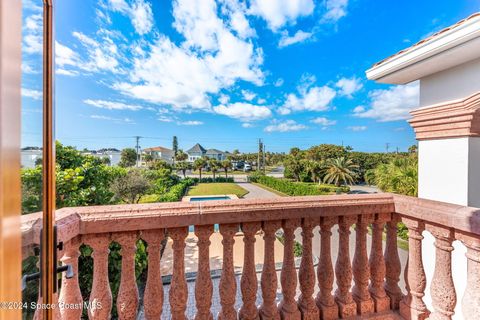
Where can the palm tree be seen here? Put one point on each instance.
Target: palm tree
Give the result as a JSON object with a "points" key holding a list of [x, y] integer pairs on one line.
{"points": [[226, 164], [315, 169], [199, 164], [182, 166], [214, 165], [181, 156], [399, 175], [340, 170]]}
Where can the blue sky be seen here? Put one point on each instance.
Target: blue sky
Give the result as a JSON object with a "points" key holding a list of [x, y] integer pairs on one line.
{"points": [[225, 73]]}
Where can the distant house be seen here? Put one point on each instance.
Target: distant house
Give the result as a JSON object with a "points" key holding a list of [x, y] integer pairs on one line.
{"points": [[216, 154], [160, 153], [112, 154], [29, 156], [196, 152]]}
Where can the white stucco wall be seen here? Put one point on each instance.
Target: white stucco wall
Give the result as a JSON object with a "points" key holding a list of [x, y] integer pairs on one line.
{"points": [[451, 84], [449, 171]]}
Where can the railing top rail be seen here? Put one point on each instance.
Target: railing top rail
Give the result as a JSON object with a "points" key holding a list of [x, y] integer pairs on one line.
{"points": [[460, 218]]}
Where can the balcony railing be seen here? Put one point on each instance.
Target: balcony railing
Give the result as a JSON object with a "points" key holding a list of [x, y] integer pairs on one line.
{"points": [[366, 285]]}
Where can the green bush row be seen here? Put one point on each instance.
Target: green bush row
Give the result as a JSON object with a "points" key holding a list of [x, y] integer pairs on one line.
{"points": [[211, 180], [296, 188]]}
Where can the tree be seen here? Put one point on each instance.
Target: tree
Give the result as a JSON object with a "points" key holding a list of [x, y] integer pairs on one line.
{"points": [[181, 156], [128, 158], [340, 170], [293, 166], [399, 176], [314, 169], [182, 166], [413, 149], [148, 158], [226, 164], [175, 147], [199, 164], [214, 164], [131, 187]]}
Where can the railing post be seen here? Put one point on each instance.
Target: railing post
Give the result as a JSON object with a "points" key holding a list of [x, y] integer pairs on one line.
{"points": [[203, 284], [306, 273], [288, 278], [377, 266], [442, 289], [248, 283], [269, 310], [101, 295], [325, 274], [228, 283], [127, 299], [471, 297], [70, 292], [412, 305], [393, 267], [153, 296], [343, 270], [178, 288], [361, 269]]}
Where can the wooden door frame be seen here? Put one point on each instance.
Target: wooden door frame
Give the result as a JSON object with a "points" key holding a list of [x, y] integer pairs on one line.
{"points": [[10, 190]]}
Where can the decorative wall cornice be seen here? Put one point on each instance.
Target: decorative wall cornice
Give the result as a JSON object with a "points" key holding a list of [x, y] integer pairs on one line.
{"points": [[453, 119]]}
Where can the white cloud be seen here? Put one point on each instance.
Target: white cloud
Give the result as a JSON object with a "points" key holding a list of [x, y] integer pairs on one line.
{"points": [[102, 56], [311, 99], [277, 13], [324, 121], [140, 13], [190, 123], [245, 112], [32, 5], [261, 101], [223, 99], [279, 82], [210, 59], [357, 128], [33, 94], [391, 104], [359, 109], [299, 36], [247, 125], [248, 95], [348, 86], [66, 72], [285, 126], [118, 120], [335, 10], [32, 30], [111, 105], [163, 118]]}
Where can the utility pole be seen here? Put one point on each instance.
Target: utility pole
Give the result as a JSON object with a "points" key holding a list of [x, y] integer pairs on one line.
{"points": [[137, 148], [260, 149], [264, 170], [387, 146]]}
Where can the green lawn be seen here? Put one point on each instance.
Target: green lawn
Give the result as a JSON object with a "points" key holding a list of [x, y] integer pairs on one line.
{"points": [[207, 189]]}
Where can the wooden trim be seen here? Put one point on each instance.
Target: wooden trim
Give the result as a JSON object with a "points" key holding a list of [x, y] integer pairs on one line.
{"points": [[454, 119], [10, 113], [49, 263]]}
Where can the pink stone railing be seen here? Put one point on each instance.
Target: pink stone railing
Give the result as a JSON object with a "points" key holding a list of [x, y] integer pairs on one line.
{"points": [[363, 285]]}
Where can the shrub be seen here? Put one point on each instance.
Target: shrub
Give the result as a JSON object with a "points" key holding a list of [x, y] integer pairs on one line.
{"points": [[211, 180], [296, 188]]}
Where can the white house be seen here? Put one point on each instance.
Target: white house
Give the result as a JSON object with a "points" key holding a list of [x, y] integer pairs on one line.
{"points": [[196, 152], [160, 153], [446, 124]]}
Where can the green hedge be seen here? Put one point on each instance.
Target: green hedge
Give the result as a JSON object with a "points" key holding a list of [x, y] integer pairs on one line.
{"points": [[218, 179], [296, 188]]}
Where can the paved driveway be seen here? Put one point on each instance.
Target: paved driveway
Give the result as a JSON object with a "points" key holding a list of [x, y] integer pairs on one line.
{"points": [[256, 192]]}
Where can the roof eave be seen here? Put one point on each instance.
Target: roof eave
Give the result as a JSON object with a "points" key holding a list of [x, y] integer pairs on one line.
{"points": [[442, 52]]}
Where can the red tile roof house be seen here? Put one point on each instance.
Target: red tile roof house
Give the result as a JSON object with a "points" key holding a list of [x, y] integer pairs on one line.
{"points": [[365, 285], [160, 153]]}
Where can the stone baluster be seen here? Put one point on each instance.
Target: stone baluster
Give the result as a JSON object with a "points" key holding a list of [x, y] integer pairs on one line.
{"points": [[178, 288], [471, 297], [153, 296], [268, 309], [360, 267], [343, 270], [248, 283], [288, 278], [306, 273], [70, 293], [412, 306], [325, 274], [228, 284], [393, 266], [127, 299], [377, 265], [203, 284], [100, 295], [442, 289]]}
